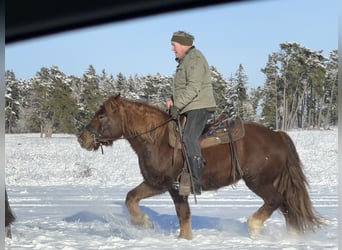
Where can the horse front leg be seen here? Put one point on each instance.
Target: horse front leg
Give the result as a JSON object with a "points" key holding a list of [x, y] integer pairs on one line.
{"points": [[183, 214], [133, 197]]}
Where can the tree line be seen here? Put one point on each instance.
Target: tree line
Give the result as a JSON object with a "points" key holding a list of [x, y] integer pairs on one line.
{"points": [[300, 91]]}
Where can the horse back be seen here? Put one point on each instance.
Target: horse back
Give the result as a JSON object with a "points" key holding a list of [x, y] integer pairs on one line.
{"points": [[261, 146], [261, 152]]}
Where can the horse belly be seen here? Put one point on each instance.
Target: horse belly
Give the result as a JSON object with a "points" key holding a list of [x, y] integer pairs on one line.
{"points": [[217, 167]]}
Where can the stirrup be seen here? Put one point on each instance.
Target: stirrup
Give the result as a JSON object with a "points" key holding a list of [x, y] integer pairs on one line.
{"points": [[175, 185], [185, 183]]}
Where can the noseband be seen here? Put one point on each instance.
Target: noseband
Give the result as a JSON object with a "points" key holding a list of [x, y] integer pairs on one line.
{"points": [[96, 134]]}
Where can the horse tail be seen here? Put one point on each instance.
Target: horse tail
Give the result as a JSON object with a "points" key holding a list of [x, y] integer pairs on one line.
{"points": [[293, 185]]}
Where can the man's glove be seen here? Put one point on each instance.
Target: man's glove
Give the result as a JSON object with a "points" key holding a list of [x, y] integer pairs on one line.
{"points": [[174, 112]]}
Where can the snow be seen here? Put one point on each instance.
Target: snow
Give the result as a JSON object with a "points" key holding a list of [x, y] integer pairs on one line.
{"points": [[67, 198]]}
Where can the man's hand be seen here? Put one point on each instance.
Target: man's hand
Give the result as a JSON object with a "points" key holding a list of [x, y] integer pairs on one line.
{"points": [[174, 112], [169, 103]]}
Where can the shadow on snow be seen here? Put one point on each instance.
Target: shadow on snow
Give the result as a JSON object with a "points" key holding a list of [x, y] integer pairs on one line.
{"points": [[120, 226]]}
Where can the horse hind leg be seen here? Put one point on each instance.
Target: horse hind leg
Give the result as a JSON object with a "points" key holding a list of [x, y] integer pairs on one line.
{"points": [[290, 229], [272, 201]]}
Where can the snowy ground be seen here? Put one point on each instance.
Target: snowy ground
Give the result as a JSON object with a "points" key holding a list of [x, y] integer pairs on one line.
{"points": [[67, 198]]}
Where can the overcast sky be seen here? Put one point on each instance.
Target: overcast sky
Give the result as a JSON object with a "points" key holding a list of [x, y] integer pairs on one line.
{"points": [[228, 35]]}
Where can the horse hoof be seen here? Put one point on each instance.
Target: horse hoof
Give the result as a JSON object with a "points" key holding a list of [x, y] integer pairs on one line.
{"points": [[254, 227], [293, 232], [148, 224], [143, 221], [186, 237]]}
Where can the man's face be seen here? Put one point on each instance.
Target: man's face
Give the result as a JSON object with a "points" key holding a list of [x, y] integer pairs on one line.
{"points": [[179, 49]]}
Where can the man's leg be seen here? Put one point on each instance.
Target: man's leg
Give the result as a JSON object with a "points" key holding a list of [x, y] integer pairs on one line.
{"points": [[195, 123]]}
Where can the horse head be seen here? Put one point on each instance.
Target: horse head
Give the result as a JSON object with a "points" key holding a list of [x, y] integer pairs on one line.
{"points": [[105, 127]]}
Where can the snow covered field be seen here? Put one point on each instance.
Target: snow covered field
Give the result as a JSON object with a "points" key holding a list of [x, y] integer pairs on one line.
{"points": [[67, 198]]}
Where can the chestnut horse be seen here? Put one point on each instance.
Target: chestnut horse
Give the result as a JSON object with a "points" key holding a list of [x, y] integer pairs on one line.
{"points": [[270, 165]]}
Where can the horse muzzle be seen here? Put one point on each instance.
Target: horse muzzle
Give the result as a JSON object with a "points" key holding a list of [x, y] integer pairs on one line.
{"points": [[87, 141]]}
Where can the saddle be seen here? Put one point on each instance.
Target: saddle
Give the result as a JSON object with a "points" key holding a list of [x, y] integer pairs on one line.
{"points": [[222, 130]]}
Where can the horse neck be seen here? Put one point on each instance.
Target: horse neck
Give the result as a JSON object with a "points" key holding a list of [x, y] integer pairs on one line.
{"points": [[140, 123]]}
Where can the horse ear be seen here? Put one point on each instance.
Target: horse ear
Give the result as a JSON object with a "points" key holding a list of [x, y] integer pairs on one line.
{"points": [[111, 104]]}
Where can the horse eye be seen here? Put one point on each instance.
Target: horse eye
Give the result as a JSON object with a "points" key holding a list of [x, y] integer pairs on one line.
{"points": [[101, 116]]}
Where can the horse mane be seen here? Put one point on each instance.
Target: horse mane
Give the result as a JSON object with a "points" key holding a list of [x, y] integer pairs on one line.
{"points": [[139, 117]]}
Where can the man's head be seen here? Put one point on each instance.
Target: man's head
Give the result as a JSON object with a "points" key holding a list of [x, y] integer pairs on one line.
{"points": [[181, 42]]}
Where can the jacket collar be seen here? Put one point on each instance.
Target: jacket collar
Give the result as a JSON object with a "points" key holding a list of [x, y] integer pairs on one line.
{"points": [[179, 60]]}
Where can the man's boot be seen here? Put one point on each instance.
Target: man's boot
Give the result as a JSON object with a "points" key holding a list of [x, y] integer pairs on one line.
{"points": [[196, 170]]}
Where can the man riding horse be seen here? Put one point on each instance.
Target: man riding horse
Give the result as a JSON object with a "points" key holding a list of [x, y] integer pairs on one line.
{"points": [[193, 97]]}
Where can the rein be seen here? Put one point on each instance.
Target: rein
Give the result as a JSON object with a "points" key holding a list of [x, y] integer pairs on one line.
{"points": [[103, 141], [148, 131]]}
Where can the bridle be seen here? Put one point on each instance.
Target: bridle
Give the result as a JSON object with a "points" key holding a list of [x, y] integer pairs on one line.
{"points": [[92, 131], [104, 141]]}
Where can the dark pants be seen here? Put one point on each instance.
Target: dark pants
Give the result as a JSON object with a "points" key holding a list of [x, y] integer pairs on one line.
{"points": [[195, 123]]}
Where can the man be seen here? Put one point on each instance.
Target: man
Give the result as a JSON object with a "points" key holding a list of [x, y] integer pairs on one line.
{"points": [[193, 97]]}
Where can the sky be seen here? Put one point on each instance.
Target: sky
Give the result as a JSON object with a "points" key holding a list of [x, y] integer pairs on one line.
{"points": [[228, 35]]}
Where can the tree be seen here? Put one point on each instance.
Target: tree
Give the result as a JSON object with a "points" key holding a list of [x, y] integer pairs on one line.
{"points": [[294, 87], [271, 106], [37, 111], [243, 107], [255, 98], [62, 104], [300, 90], [12, 97], [91, 97], [121, 84], [330, 85], [231, 97], [107, 84], [219, 88]]}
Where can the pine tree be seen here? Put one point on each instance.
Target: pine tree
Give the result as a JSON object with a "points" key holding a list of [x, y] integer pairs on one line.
{"points": [[297, 73], [91, 98], [121, 84], [243, 108], [219, 88], [255, 98], [232, 97], [271, 103], [62, 105], [12, 98], [39, 116], [300, 90], [330, 84]]}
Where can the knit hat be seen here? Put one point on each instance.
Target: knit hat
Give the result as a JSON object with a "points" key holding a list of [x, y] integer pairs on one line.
{"points": [[183, 38]]}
